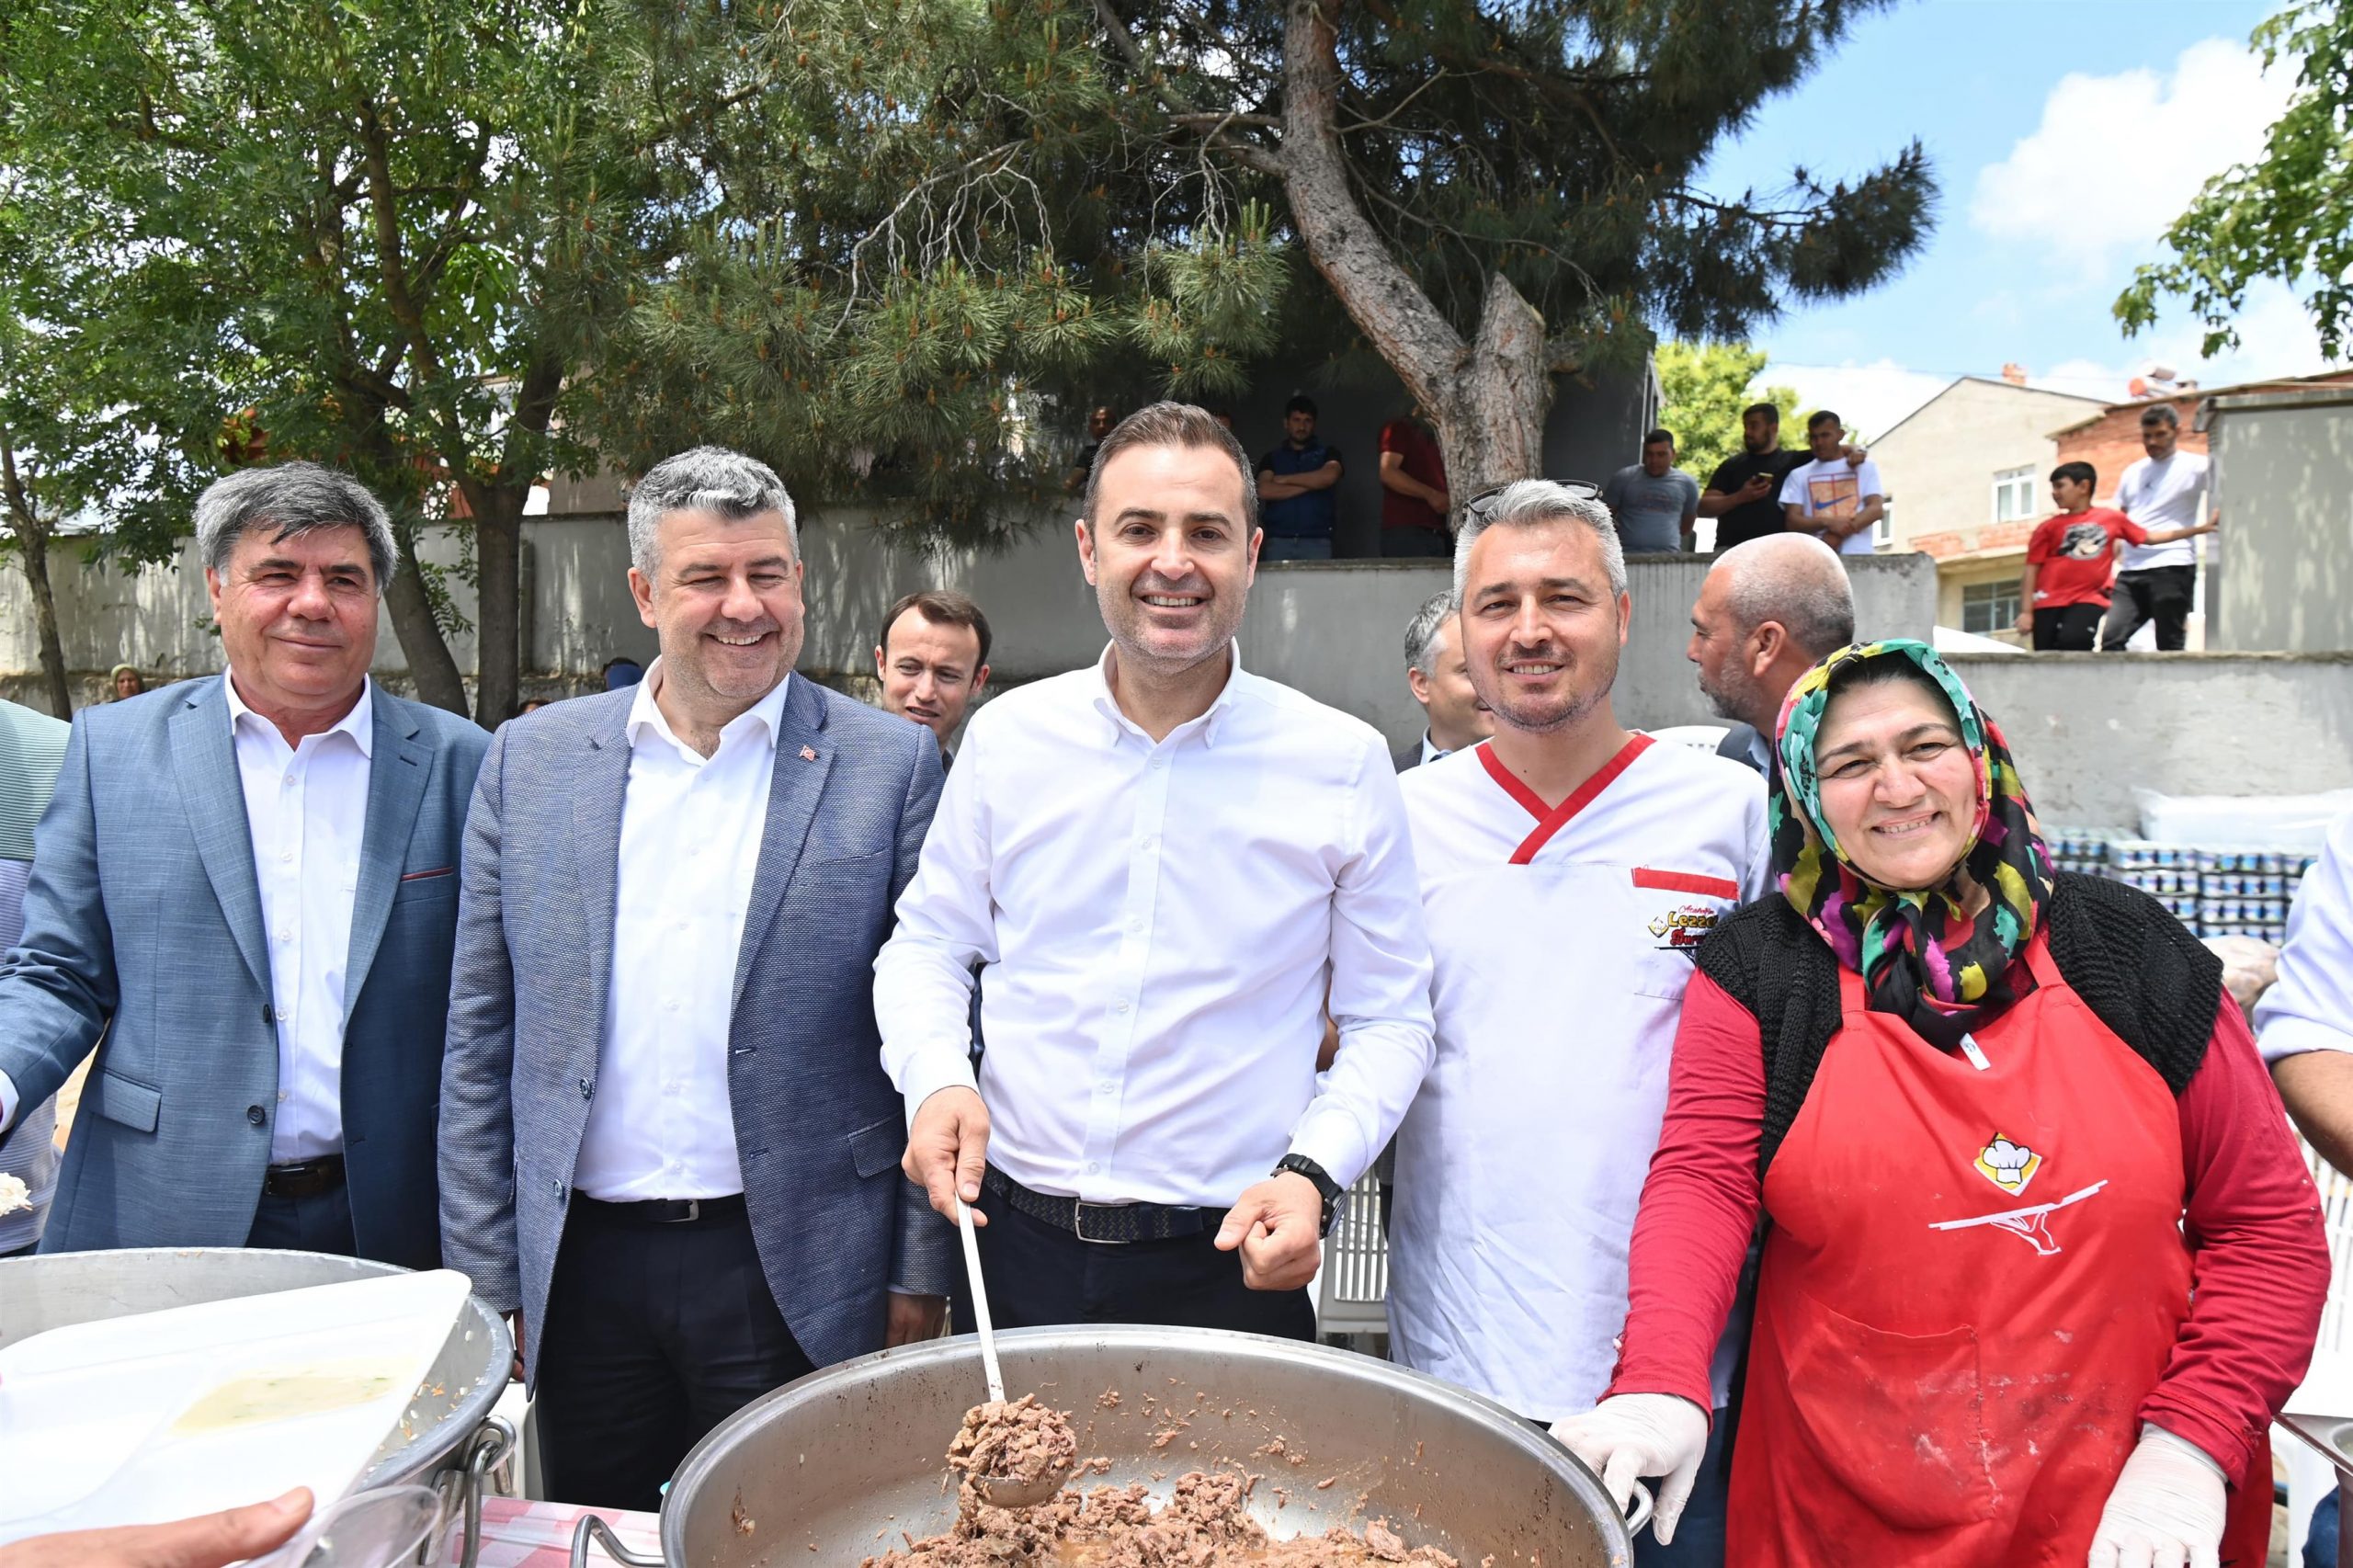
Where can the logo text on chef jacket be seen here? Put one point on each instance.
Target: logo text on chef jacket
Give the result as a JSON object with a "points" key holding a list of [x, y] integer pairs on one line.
{"points": [[1685, 927], [2011, 1165]]}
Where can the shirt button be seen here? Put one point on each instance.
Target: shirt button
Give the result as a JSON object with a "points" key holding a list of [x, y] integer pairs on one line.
{"points": [[285, 1094], [285, 936], [1121, 1005], [1160, 762], [1135, 923], [286, 855], [671, 1005], [1092, 1167]]}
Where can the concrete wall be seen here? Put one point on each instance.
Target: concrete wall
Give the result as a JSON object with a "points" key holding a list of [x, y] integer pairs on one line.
{"points": [[2282, 572], [1332, 630], [2088, 727]]}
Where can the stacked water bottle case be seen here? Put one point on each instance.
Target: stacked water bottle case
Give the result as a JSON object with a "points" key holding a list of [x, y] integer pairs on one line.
{"points": [[2215, 891]]}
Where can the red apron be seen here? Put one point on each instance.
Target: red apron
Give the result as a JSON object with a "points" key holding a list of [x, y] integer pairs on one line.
{"points": [[1975, 1274]]}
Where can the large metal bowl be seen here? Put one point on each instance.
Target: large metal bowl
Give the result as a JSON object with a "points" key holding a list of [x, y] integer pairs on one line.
{"points": [[830, 1470], [52, 1290]]}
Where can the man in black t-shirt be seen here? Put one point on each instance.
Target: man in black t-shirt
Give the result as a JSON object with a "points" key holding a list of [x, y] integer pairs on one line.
{"points": [[1744, 494]]}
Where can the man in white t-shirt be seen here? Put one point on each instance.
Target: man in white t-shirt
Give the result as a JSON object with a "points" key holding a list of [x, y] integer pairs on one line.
{"points": [[2164, 492], [1569, 868], [1837, 501]]}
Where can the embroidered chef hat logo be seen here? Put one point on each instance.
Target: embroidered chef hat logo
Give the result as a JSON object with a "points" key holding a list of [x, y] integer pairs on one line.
{"points": [[2007, 1165]]}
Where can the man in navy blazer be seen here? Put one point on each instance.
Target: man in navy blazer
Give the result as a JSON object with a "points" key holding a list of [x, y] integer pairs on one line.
{"points": [[667, 1141], [245, 885]]}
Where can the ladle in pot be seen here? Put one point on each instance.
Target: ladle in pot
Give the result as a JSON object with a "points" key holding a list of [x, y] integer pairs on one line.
{"points": [[999, 1490]]}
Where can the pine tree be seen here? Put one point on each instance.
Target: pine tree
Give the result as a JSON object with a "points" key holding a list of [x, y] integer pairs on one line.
{"points": [[923, 227]]}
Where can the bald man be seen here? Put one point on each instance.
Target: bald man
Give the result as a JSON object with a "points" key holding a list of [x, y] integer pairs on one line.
{"points": [[1771, 609]]}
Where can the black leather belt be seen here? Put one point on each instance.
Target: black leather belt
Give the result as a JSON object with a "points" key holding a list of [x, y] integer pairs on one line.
{"points": [[662, 1211], [303, 1178], [1113, 1224]]}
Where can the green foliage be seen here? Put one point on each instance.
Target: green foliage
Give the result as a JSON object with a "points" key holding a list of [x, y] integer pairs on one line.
{"points": [[2288, 215], [927, 234], [1705, 387]]}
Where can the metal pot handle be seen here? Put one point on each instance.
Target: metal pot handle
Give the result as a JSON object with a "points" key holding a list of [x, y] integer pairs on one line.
{"points": [[470, 1479], [1639, 1509], [590, 1525]]}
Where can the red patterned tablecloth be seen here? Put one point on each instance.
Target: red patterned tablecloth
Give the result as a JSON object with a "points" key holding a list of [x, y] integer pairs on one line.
{"points": [[517, 1533]]}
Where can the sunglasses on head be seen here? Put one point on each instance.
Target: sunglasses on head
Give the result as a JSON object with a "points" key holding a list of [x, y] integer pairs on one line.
{"points": [[1479, 507]]}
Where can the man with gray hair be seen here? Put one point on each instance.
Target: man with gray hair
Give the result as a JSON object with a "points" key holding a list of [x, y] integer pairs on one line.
{"points": [[1768, 611], [668, 1148], [1453, 715], [246, 888], [1569, 868]]}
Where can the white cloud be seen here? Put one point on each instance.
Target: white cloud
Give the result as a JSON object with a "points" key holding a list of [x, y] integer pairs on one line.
{"points": [[2276, 339], [1868, 398], [2117, 158]]}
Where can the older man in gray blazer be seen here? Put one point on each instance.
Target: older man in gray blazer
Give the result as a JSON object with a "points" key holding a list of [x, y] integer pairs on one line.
{"points": [[247, 886], [666, 1138]]}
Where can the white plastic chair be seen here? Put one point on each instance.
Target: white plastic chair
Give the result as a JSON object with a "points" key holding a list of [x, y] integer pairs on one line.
{"points": [[1353, 1288], [2310, 1476]]}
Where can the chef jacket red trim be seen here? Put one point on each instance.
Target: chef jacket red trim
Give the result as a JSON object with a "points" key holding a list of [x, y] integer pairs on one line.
{"points": [[2261, 1260], [1686, 882], [1551, 820]]}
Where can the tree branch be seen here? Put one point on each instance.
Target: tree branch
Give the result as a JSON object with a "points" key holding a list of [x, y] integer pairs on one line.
{"points": [[1411, 334]]}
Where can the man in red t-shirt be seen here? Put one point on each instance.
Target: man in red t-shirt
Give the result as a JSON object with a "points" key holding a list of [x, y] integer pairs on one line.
{"points": [[1412, 482], [2071, 562]]}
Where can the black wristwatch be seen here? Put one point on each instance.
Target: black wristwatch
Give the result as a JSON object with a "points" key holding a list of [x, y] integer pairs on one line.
{"points": [[1325, 1185]]}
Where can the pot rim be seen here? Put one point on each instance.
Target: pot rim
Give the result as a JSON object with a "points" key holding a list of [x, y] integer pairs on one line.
{"points": [[722, 1441]]}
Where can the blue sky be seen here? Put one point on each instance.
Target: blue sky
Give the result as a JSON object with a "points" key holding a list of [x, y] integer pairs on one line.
{"points": [[2066, 134]]}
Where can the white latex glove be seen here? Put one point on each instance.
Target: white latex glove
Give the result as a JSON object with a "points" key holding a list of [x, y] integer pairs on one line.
{"points": [[2167, 1509], [1632, 1434]]}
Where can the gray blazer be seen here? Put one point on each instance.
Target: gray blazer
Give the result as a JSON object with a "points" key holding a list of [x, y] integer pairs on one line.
{"points": [[818, 1130], [143, 924]]}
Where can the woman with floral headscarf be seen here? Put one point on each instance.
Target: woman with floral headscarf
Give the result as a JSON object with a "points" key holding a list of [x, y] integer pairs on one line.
{"points": [[1998, 1124]]}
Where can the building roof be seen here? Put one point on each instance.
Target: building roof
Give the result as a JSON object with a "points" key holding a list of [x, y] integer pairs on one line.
{"points": [[2325, 378], [1981, 381]]}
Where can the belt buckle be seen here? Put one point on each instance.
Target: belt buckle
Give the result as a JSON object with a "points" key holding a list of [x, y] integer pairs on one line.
{"points": [[1079, 1208], [694, 1212]]}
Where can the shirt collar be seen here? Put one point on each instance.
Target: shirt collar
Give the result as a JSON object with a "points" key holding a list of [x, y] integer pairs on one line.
{"points": [[1431, 750], [1211, 723], [360, 723], [766, 716]]}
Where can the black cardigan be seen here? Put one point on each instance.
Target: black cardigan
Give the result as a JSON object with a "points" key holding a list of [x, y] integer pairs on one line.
{"points": [[2137, 967]]}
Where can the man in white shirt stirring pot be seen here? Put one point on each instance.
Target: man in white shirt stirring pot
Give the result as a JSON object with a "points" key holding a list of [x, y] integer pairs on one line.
{"points": [[1164, 863]]}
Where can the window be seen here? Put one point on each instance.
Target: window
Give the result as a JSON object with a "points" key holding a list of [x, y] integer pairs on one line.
{"points": [[1988, 608], [2013, 495], [1883, 531]]}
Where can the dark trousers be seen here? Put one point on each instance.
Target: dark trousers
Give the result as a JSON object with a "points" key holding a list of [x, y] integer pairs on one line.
{"points": [[1428, 543], [655, 1335], [1040, 1278], [2161, 593], [320, 1222], [2067, 628]]}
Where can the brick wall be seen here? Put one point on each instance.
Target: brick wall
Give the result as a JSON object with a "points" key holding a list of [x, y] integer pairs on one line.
{"points": [[2113, 440]]}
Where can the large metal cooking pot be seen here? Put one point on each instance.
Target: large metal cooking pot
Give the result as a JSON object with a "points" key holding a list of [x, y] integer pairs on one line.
{"points": [[448, 1426], [830, 1470]]}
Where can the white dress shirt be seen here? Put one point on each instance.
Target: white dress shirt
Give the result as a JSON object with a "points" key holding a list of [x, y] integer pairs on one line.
{"points": [[1157, 924], [662, 1124], [2311, 1006], [307, 809], [1563, 939]]}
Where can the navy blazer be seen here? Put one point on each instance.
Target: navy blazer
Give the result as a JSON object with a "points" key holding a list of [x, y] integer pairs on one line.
{"points": [[819, 1129], [142, 925]]}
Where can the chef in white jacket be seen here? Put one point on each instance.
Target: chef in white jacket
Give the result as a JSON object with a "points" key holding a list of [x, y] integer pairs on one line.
{"points": [[1568, 867]]}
